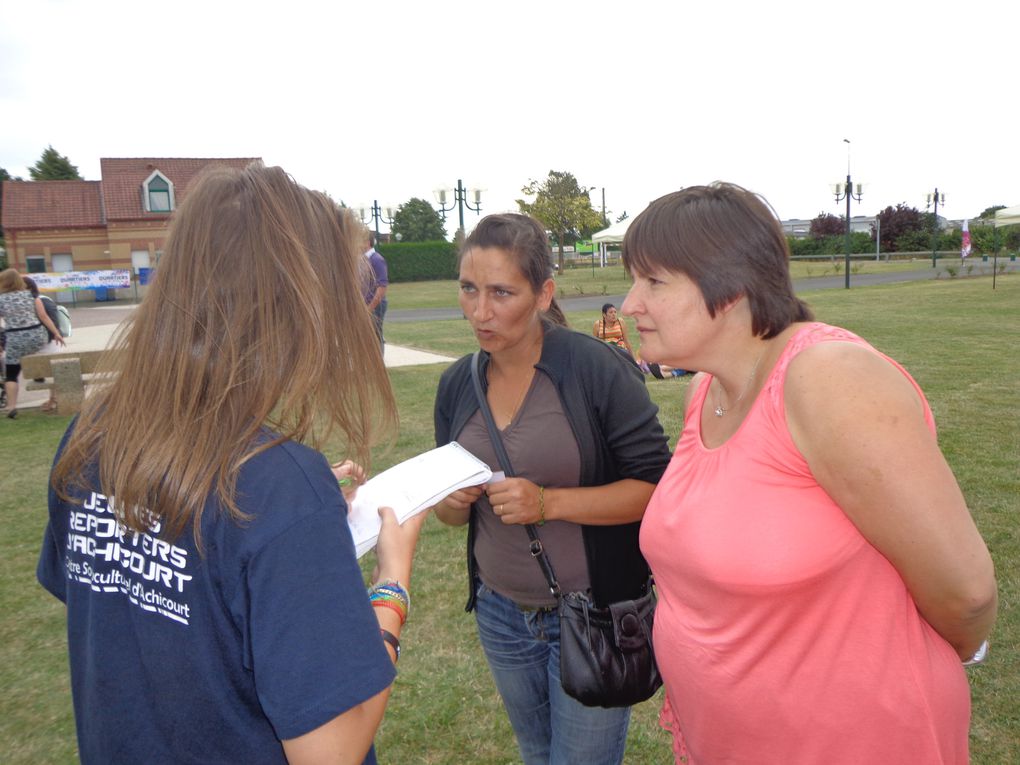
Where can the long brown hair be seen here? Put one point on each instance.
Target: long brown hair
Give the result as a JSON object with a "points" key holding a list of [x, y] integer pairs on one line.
{"points": [[730, 242], [254, 331], [524, 239]]}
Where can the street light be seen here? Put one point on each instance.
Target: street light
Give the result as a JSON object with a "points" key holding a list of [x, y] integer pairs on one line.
{"points": [[847, 194], [376, 215], [938, 199], [460, 201]]}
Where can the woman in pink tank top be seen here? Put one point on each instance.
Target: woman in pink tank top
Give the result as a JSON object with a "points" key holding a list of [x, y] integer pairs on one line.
{"points": [[821, 582]]}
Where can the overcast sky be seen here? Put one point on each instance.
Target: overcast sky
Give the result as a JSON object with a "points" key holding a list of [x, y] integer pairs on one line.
{"points": [[391, 100]]}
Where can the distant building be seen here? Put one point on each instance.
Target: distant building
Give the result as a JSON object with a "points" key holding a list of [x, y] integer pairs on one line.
{"points": [[799, 228], [118, 222]]}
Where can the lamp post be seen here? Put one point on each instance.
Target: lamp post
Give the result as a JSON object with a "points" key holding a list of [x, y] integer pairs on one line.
{"points": [[460, 201], [376, 215], [848, 194], [938, 199]]}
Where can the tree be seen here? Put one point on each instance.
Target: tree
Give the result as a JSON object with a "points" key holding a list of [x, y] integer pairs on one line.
{"points": [[989, 212], [827, 224], [562, 206], [417, 221], [53, 166], [901, 222]]}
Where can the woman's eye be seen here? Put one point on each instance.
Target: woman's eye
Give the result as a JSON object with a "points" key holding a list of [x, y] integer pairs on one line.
{"points": [[467, 288], [502, 293]]}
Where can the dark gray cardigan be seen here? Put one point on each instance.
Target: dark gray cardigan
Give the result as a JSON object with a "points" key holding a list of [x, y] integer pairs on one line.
{"points": [[617, 432]]}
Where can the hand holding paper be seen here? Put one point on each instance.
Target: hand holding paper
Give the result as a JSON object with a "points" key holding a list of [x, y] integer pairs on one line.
{"points": [[412, 486]]}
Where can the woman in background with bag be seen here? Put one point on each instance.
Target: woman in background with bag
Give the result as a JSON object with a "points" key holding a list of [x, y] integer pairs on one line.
{"points": [[819, 574], [28, 329], [587, 449]]}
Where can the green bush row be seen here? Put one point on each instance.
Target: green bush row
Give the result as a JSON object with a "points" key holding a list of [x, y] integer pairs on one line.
{"points": [[420, 261]]}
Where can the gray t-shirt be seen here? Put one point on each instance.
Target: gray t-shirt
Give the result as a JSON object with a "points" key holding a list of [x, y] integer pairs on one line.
{"points": [[542, 449]]}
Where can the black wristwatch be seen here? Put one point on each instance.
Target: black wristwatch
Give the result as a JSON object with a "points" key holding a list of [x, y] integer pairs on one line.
{"points": [[390, 638]]}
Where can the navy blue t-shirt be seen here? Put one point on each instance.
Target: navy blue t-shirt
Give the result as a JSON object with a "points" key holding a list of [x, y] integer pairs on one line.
{"points": [[178, 657]]}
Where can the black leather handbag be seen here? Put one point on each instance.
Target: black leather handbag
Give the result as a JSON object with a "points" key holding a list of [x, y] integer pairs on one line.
{"points": [[606, 656]]}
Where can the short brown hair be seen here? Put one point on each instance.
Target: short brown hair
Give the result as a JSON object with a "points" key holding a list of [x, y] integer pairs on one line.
{"points": [[729, 242]]}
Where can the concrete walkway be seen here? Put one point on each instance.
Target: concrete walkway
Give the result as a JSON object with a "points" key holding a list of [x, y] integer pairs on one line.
{"points": [[94, 326]]}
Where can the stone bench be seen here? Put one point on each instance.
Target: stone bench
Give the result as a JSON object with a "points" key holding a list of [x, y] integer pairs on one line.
{"points": [[64, 373]]}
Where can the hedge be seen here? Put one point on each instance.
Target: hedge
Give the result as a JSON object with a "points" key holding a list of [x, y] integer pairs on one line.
{"points": [[419, 261]]}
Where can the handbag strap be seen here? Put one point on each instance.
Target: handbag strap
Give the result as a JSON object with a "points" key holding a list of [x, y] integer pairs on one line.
{"points": [[536, 548]]}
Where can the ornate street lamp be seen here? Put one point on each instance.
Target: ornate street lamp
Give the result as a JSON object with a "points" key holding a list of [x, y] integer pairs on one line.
{"points": [[847, 193], [460, 201], [938, 198], [375, 214]]}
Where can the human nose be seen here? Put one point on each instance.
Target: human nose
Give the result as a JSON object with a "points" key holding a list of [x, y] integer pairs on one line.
{"points": [[631, 304], [482, 308]]}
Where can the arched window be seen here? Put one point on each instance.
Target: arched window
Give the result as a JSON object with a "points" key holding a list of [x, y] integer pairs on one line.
{"points": [[158, 193]]}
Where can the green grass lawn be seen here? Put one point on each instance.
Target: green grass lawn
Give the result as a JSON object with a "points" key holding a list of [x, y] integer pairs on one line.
{"points": [[958, 338]]}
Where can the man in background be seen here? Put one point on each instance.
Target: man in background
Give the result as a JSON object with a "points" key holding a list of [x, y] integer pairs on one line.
{"points": [[375, 291]]}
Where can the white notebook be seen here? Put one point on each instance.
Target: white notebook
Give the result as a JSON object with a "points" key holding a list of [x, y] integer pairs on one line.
{"points": [[410, 487]]}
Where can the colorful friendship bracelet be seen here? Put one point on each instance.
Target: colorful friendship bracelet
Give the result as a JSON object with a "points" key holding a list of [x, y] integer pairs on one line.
{"points": [[541, 506], [393, 606]]}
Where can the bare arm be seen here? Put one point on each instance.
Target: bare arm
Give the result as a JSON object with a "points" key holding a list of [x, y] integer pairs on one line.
{"points": [[518, 500], [377, 297], [40, 311], [347, 737], [623, 336], [860, 425]]}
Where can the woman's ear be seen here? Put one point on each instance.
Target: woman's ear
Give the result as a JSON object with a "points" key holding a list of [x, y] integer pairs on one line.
{"points": [[546, 294]]}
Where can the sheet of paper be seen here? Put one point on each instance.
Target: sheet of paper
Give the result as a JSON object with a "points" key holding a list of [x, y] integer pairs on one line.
{"points": [[410, 487]]}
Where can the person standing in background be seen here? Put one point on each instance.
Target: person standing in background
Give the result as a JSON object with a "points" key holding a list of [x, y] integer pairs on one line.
{"points": [[375, 292]]}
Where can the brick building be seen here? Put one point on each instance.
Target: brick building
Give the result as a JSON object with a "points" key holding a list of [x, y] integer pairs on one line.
{"points": [[118, 222]]}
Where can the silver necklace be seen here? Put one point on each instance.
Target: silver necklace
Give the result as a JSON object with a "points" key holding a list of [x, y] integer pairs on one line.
{"points": [[720, 410]]}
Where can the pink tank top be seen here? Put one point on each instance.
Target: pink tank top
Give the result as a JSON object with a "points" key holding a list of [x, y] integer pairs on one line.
{"points": [[783, 636]]}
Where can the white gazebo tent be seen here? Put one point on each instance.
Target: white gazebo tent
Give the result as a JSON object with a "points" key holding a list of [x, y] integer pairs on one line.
{"points": [[1007, 216], [612, 235]]}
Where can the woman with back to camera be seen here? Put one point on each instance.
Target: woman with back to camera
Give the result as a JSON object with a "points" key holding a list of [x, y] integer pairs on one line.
{"points": [[582, 435], [28, 329], [216, 609], [819, 574]]}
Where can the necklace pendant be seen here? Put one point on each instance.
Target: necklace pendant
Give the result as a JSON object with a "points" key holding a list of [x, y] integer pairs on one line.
{"points": [[719, 411]]}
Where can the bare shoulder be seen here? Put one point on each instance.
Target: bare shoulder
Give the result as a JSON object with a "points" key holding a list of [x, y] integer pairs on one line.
{"points": [[846, 383]]}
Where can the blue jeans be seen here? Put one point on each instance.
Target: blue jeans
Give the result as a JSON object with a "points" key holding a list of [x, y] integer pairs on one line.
{"points": [[523, 650]]}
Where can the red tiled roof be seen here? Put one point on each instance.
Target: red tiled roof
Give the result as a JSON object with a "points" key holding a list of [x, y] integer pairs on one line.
{"points": [[123, 178], [52, 204]]}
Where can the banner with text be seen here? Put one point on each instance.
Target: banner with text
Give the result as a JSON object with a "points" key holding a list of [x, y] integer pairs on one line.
{"points": [[83, 280]]}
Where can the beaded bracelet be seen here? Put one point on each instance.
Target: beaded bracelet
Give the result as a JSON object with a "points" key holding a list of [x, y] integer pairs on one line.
{"points": [[541, 506], [394, 589], [391, 594]]}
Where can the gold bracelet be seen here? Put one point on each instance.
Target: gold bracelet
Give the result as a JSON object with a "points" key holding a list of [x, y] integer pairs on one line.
{"points": [[541, 506]]}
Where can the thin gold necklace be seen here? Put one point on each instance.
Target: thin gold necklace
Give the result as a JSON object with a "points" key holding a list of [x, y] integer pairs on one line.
{"points": [[720, 410]]}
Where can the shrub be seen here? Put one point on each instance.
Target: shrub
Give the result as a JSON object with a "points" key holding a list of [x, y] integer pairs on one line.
{"points": [[420, 261]]}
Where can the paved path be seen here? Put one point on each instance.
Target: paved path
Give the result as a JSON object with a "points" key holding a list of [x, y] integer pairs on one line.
{"points": [[94, 326]]}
